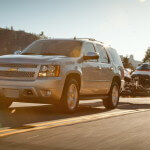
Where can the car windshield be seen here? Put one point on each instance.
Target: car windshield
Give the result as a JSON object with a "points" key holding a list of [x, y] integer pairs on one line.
{"points": [[54, 47], [144, 67]]}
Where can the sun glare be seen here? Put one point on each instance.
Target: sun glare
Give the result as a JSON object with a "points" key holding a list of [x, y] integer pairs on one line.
{"points": [[142, 1]]}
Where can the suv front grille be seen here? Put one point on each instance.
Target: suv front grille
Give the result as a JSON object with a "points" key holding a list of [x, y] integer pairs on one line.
{"points": [[18, 71], [19, 65], [17, 74]]}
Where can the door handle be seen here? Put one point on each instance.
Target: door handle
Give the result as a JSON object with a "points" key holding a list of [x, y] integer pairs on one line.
{"points": [[99, 68], [111, 68]]}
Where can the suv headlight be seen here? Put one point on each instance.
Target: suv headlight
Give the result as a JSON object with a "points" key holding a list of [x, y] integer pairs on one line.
{"points": [[49, 71]]}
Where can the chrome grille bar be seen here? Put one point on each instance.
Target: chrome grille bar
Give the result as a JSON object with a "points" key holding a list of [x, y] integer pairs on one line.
{"points": [[18, 71], [17, 74], [19, 65]]}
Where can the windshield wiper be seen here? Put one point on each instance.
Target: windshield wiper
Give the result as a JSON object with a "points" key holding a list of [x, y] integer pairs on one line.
{"points": [[41, 54], [50, 54], [28, 54]]}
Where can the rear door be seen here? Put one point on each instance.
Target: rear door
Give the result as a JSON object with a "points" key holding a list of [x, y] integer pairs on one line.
{"points": [[105, 72]]}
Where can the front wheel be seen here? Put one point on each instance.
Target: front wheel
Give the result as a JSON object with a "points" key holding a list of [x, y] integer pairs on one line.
{"points": [[112, 101], [70, 97]]}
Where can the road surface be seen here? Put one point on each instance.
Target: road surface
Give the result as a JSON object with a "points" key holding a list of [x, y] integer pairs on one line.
{"points": [[32, 127]]}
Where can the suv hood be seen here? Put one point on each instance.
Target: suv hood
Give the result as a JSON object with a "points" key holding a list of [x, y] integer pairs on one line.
{"points": [[30, 59]]}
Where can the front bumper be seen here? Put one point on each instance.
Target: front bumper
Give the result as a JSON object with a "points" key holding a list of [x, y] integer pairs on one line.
{"points": [[42, 90]]}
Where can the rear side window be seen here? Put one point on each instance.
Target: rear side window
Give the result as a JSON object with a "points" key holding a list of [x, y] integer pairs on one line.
{"points": [[144, 67], [103, 58], [115, 57]]}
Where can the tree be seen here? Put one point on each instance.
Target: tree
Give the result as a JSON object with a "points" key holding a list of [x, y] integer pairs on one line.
{"points": [[126, 63], [42, 36], [11, 28], [147, 56]]}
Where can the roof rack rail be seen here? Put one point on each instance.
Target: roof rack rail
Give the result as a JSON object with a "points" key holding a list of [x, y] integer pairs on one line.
{"points": [[101, 42], [91, 39]]}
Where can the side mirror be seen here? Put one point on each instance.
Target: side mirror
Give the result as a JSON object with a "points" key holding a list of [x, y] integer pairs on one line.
{"points": [[18, 52], [91, 55]]}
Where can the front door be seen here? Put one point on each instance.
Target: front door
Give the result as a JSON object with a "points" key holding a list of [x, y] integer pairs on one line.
{"points": [[90, 72]]}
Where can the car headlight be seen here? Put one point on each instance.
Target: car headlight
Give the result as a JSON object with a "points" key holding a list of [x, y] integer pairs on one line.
{"points": [[49, 71]]}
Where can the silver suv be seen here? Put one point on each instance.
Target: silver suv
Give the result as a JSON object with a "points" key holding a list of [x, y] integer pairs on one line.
{"points": [[61, 72]]}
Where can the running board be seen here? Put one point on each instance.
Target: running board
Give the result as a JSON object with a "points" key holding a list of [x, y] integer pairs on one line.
{"points": [[91, 97]]}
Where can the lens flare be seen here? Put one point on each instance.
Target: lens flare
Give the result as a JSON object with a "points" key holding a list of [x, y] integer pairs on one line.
{"points": [[142, 1]]}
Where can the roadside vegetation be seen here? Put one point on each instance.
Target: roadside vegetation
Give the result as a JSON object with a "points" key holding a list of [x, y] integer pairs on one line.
{"points": [[127, 63], [11, 40], [147, 56]]}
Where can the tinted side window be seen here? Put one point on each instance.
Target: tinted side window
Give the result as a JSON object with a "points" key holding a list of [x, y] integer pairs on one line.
{"points": [[115, 57], [88, 47], [103, 58]]}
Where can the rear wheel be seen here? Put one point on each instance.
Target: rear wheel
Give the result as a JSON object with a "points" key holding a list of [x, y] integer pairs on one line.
{"points": [[112, 101], [5, 104], [70, 97]]}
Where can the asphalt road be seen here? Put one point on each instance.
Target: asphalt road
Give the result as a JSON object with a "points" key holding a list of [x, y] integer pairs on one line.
{"points": [[30, 126]]}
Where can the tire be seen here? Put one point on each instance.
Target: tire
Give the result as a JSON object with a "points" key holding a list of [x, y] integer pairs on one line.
{"points": [[112, 101], [70, 97], [5, 104]]}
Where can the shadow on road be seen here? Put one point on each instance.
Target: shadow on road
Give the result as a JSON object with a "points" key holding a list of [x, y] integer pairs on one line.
{"points": [[132, 106], [21, 116]]}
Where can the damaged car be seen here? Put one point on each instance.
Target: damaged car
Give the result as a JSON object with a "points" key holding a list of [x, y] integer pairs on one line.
{"points": [[141, 79], [126, 90]]}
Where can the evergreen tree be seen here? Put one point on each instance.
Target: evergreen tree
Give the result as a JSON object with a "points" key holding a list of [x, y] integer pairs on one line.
{"points": [[147, 56], [42, 36], [126, 63]]}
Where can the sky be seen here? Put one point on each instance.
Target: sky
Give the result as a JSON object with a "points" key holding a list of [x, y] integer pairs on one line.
{"points": [[124, 24]]}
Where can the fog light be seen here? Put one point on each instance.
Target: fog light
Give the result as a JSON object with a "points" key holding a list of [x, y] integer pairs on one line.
{"points": [[28, 92], [46, 93]]}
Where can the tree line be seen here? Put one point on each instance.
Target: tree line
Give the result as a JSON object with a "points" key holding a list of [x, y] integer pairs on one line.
{"points": [[11, 40]]}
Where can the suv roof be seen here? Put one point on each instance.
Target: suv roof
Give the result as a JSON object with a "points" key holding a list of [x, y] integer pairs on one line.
{"points": [[90, 40], [77, 39]]}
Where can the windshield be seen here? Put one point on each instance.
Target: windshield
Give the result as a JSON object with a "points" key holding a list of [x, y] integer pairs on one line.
{"points": [[144, 67], [54, 47]]}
